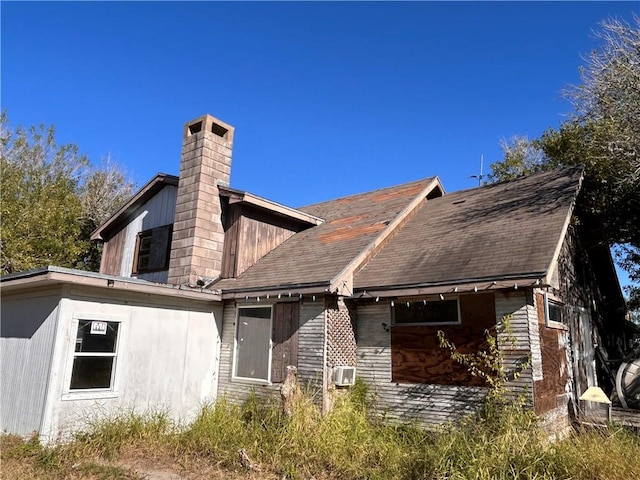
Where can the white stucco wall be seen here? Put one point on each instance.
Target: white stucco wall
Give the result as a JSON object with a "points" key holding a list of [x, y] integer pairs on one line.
{"points": [[167, 359]]}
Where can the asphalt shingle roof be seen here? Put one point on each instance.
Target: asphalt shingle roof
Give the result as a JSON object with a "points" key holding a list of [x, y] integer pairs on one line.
{"points": [[318, 254], [499, 230], [495, 231]]}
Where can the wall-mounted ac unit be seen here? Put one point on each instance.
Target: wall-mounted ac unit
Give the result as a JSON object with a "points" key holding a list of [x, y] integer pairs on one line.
{"points": [[344, 376]]}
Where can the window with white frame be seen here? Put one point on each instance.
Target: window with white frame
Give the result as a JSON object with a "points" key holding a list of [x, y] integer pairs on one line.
{"points": [[94, 357], [253, 344], [553, 311], [426, 312]]}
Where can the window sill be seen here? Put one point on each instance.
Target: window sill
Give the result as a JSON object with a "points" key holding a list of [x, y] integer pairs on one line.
{"points": [[89, 395], [557, 326], [251, 381]]}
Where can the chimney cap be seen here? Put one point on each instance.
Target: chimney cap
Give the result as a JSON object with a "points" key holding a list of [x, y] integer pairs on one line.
{"points": [[209, 124]]}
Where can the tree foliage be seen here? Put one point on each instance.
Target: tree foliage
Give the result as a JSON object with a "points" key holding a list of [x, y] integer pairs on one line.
{"points": [[52, 199], [603, 135]]}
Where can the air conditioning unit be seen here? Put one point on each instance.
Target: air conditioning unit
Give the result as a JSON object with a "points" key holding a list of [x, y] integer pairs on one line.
{"points": [[344, 376]]}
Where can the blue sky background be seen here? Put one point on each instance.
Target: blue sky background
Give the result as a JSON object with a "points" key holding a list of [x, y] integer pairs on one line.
{"points": [[327, 98]]}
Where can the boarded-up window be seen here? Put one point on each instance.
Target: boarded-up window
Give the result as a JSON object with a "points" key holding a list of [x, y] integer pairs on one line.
{"points": [[416, 356], [266, 342], [152, 250]]}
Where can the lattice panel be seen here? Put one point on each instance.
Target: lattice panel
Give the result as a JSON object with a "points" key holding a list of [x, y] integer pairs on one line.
{"points": [[341, 337]]}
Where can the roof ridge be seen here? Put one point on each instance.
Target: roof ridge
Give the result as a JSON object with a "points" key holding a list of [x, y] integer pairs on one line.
{"points": [[369, 192]]}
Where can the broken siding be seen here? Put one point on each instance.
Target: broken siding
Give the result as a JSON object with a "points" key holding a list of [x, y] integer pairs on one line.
{"points": [[26, 349], [426, 404], [518, 307]]}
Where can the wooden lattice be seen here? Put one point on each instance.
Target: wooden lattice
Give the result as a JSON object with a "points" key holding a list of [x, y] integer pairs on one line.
{"points": [[341, 334]]}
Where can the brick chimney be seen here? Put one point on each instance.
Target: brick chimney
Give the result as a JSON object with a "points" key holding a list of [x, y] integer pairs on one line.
{"points": [[198, 236]]}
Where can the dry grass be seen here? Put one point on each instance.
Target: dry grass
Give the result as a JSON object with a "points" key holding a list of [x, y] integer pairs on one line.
{"points": [[499, 443]]}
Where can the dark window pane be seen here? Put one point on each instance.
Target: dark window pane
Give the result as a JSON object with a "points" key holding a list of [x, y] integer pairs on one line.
{"points": [[96, 342], [555, 312], [91, 372], [437, 311]]}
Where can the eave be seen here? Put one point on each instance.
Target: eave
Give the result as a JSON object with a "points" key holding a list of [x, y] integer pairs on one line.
{"points": [[53, 276], [143, 195], [238, 196], [461, 286]]}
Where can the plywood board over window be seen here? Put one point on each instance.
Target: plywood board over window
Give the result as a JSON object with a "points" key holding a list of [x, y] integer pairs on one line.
{"points": [[415, 353]]}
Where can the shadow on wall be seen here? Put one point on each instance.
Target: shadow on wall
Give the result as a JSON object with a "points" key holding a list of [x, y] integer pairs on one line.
{"points": [[21, 318]]}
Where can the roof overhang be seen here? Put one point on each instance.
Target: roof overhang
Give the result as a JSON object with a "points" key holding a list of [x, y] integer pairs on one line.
{"points": [[58, 276], [276, 291], [238, 196], [143, 195], [463, 286]]}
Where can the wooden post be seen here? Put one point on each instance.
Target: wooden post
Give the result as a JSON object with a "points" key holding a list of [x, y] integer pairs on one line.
{"points": [[289, 392]]}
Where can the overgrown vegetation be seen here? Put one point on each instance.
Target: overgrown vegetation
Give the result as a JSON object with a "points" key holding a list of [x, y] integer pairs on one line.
{"points": [[52, 199], [344, 444], [601, 134]]}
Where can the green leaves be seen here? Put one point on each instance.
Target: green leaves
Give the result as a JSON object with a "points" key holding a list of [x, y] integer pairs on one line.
{"points": [[46, 218], [602, 135]]}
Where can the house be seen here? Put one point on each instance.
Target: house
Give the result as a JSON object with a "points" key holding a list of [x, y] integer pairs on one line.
{"points": [[207, 291]]}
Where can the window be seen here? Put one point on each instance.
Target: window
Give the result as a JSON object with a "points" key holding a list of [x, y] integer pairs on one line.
{"points": [[266, 342], [553, 312], [152, 250], [94, 357], [428, 312], [253, 343]]}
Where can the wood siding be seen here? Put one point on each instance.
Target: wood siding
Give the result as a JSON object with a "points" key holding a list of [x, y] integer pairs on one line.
{"points": [[425, 404], [518, 307], [119, 249], [286, 321], [418, 358], [249, 235], [431, 404], [310, 352]]}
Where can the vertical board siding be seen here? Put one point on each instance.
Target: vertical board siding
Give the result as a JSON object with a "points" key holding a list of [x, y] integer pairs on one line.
{"points": [[26, 349], [286, 321], [230, 247], [119, 249], [112, 251], [250, 234]]}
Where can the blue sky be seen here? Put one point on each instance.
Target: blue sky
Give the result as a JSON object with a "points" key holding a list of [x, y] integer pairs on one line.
{"points": [[327, 98]]}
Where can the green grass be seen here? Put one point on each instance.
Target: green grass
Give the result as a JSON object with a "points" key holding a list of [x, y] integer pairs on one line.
{"points": [[502, 442]]}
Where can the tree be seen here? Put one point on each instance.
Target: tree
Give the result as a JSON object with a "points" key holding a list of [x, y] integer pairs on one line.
{"points": [[603, 135], [52, 198], [521, 157]]}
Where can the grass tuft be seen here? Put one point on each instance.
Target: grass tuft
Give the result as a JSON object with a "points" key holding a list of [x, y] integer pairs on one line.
{"points": [[503, 441]]}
